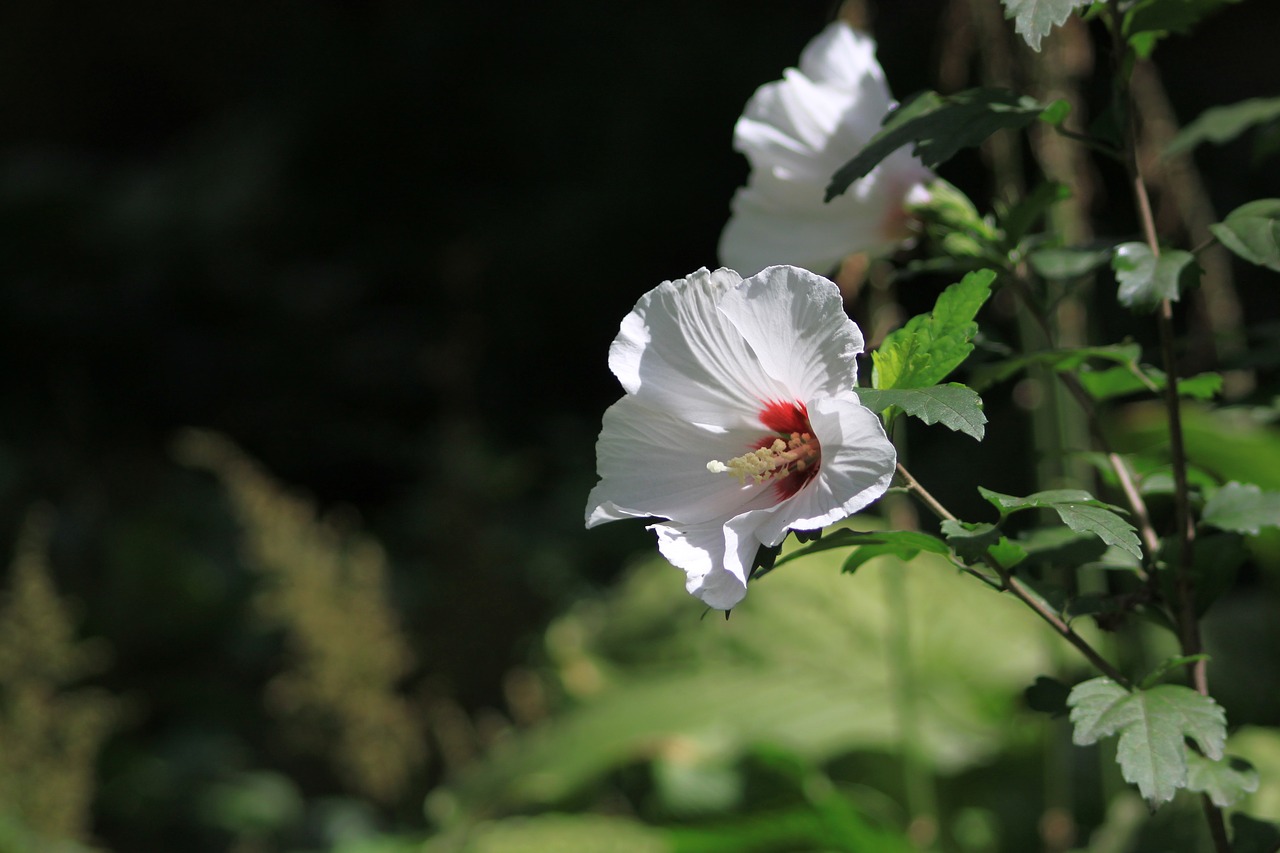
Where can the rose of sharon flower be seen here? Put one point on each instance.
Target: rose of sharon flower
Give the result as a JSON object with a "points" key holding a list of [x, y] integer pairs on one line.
{"points": [[739, 421], [797, 132]]}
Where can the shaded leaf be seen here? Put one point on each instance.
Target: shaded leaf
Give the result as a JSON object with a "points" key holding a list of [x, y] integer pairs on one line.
{"points": [[1242, 508], [970, 540], [1063, 263], [1119, 381], [1252, 231], [904, 544], [1033, 19], [1048, 696], [1152, 725], [1250, 835], [1079, 510], [1057, 359], [930, 346], [1220, 125], [1168, 16], [1145, 280], [1225, 780], [953, 405], [938, 126], [1019, 218]]}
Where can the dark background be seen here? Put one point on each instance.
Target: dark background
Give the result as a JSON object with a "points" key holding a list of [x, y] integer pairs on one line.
{"points": [[383, 247]]}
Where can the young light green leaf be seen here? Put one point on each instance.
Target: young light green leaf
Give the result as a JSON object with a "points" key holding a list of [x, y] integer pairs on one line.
{"points": [[1226, 780], [1220, 125], [904, 544], [1152, 725], [953, 405], [1252, 231], [930, 346], [1079, 510], [1242, 508], [1146, 280], [938, 126], [1033, 19]]}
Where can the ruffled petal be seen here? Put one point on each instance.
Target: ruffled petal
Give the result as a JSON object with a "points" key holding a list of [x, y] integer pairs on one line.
{"points": [[858, 463], [715, 558], [843, 57], [676, 352], [652, 463], [795, 323]]}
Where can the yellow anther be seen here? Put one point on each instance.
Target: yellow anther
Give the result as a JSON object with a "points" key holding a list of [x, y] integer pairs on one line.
{"points": [[774, 461]]}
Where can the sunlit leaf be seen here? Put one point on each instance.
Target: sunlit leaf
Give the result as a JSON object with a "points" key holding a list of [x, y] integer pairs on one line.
{"points": [[1033, 19], [1152, 725], [938, 126], [1225, 780], [1119, 381], [955, 406], [1220, 125], [1242, 508], [924, 351], [1252, 231], [1146, 280]]}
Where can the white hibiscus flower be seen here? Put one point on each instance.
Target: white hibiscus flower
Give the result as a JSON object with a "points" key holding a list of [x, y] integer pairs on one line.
{"points": [[797, 132], [739, 421]]}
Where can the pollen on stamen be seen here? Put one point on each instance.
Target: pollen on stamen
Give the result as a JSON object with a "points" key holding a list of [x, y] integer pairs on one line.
{"points": [[772, 461]]}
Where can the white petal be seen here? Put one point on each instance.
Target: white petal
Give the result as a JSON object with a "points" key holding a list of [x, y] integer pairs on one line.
{"points": [[678, 353], [858, 464], [804, 113], [761, 233], [714, 557], [796, 326], [843, 57], [652, 463]]}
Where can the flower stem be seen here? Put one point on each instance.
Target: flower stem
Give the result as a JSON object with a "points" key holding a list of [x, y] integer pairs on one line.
{"points": [[1020, 590]]}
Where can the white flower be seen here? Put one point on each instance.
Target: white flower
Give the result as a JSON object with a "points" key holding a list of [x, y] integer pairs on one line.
{"points": [[797, 132], [739, 421]]}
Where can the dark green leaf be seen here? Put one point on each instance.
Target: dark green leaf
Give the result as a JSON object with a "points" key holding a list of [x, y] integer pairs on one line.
{"points": [[970, 540], [1250, 835], [1020, 218], [1242, 508], [1062, 264], [1146, 280], [1225, 780], [1166, 666], [953, 405], [1168, 16], [1048, 696], [1079, 510], [1058, 547], [901, 543], [1058, 359], [1152, 725], [930, 346], [1252, 231], [939, 126], [1223, 124], [1119, 381], [1033, 19], [1048, 499]]}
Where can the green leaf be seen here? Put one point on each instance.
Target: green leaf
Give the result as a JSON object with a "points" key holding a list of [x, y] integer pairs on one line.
{"points": [[1252, 231], [1063, 264], [904, 544], [1250, 835], [1153, 678], [953, 405], [1048, 696], [1242, 508], [1226, 781], [930, 346], [970, 540], [1119, 381], [938, 126], [1033, 19], [1220, 125], [1019, 218], [1167, 16], [1146, 280], [1152, 725], [1058, 359], [1079, 510]]}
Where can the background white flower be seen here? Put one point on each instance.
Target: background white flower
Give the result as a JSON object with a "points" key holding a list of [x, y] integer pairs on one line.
{"points": [[797, 132], [739, 421]]}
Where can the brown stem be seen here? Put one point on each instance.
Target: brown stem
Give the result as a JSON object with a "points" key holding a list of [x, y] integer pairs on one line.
{"points": [[1020, 591]]}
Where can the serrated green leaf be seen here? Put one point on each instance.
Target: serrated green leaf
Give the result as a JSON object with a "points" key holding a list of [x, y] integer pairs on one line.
{"points": [[1119, 381], [1220, 125], [1063, 263], [1252, 231], [1242, 508], [1152, 725], [1225, 780], [938, 126], [970, 540], [1048, 696], [1034, 19], [930, 346], [953, 405], [904, 544], [1079, 510], [1145, 280]]}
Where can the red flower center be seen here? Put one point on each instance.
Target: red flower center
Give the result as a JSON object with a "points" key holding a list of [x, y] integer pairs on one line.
{"points": [[788, 459]]}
